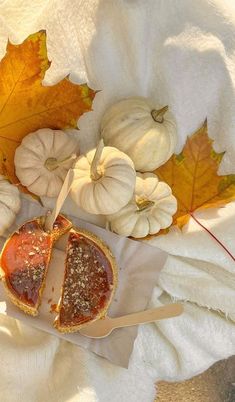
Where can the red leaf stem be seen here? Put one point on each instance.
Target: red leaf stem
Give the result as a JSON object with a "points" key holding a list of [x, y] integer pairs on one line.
{"points": [[213, 236]]}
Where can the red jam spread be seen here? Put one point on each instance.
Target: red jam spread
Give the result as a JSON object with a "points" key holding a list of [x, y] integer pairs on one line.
{"points": [[61, 225], [26, 256], [25, 259], [88, 281]]}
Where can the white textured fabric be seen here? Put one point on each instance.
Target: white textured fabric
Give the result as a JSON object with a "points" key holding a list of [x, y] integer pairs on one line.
{"points": [[180, 53]]}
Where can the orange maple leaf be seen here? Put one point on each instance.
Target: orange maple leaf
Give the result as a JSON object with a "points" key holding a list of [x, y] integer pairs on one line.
{"points": [[26, 105], [193, 177]]}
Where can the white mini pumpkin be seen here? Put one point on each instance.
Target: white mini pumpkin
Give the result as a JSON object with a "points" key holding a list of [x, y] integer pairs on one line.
{"points": [[147, 135], [43, 160], [150, 210], [104, 180], [9, 204]]}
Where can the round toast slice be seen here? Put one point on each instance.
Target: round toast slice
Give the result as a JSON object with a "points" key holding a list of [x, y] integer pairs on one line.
{"points": [[90, 280], [25, 259]]}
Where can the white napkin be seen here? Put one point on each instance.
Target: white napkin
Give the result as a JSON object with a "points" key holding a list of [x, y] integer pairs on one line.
{"points": [[180, 53]]}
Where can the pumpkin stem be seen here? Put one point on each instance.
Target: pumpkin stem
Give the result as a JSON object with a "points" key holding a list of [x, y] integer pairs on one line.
{"points": [[52, 163], [144, 205], [94, 173], [157, 115]]}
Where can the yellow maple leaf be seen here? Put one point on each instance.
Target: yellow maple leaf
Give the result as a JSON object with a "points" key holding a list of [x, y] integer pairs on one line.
{"points": [[26, 105], [193, 177]]}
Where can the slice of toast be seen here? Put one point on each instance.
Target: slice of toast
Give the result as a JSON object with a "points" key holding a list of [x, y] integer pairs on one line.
{"points": [[90, 280], [25, 259]]}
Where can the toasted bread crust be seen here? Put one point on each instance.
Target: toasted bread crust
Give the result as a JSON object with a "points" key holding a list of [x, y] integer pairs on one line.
{"points": [[103, 312], [26, 308]]}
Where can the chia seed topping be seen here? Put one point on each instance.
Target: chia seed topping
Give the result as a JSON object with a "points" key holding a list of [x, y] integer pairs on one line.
{"points": [[88, 281]]}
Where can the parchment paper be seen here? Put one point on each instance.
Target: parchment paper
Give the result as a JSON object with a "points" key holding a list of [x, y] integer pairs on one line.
{"points": [[139, 266]]}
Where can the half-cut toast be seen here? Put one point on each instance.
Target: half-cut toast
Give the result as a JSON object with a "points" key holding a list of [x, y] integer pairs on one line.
{"points": [[25, 259], [90, 280]]}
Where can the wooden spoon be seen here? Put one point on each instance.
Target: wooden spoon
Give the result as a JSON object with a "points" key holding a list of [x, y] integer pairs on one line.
{"points": [[102, 328]]}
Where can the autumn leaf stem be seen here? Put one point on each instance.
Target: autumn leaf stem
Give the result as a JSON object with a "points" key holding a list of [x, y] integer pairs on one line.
{"points": [[213, 236]]}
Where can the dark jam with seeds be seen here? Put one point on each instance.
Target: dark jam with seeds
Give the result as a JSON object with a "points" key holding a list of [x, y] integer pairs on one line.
{"points": [[24, 261], [88, 281]]}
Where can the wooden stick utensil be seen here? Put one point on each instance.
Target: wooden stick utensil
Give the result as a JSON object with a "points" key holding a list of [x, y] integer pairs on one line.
{"points": [[50, 218], [103, 327]]}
